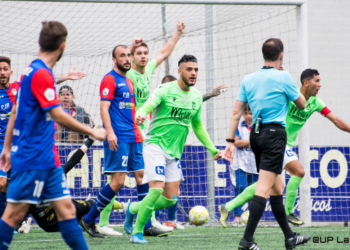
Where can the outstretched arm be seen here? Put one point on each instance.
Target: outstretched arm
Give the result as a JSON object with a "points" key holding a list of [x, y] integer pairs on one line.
{"points": [[71, 75], [204, 138], [340, 123], [217, 90], [170, 45]]}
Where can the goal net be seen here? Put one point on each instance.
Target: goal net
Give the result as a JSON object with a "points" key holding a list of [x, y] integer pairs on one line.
{"points": [[238, 32]]}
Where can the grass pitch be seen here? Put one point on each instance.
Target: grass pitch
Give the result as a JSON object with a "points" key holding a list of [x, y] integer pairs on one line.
{"points": [[201, 238]]}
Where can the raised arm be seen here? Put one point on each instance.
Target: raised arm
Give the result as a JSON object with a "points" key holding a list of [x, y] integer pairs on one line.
{"points": [[170, 45], [340, 123], [71, 75], [217, 90]]}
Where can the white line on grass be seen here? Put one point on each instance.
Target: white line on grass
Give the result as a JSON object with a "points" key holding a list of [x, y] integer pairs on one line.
{"points": [[185, 235]]}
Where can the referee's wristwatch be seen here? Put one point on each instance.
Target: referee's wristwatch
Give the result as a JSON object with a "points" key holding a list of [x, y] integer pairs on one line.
{"points": [[230, 140]]}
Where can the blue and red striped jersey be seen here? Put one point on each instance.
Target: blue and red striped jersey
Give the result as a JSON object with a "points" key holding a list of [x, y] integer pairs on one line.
{"points": [[33, 145], [119, 90], [7, 98]]}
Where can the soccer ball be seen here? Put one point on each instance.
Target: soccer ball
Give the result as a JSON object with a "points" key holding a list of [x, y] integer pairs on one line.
{"points": [[244, 217], [199, 215]]}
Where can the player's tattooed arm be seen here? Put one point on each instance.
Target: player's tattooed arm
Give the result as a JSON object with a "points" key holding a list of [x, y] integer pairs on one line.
{"points": [[71, 75], [170, 45], [338, 122], [217, 90]]}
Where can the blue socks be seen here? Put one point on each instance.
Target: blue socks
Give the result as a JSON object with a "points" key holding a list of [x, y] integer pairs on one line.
{"points": [[104, 197], [2, 203], [72, 234], [172, 212], [6, 235], [142, 191]]}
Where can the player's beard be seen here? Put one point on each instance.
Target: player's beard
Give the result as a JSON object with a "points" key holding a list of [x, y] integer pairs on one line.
{"points": [[122, 68], [185, 80], [4, 84]]}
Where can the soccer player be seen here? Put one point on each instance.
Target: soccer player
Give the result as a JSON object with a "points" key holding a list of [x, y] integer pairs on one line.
{"points": [[177, 105], [311, 84], [123, 147], [218, 89], [268, 138], [29, 148], [140, 74]]}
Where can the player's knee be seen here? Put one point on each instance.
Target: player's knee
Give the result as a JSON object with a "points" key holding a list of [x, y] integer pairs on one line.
{"points": [[116, 185], [300, 172]]}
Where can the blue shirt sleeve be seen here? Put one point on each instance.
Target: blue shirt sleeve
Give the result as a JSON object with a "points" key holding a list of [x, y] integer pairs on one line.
{"points": [[241, 93], [291, 90], [237, 133]]}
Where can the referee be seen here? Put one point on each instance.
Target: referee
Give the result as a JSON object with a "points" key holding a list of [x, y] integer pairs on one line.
{"points": [[267, 91]]}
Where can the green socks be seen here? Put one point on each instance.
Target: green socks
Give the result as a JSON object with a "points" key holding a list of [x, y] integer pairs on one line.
{"points": [[242, 198], [291, 193], [106, 212], [145, 209]]}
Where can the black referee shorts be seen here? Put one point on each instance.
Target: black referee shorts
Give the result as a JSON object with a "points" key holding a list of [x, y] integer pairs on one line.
{"points": [[268, 147]]}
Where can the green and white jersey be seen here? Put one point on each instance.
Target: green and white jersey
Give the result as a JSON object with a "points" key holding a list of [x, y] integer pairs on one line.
{"points": [[296, 118], [142, 82], [174, 110]]}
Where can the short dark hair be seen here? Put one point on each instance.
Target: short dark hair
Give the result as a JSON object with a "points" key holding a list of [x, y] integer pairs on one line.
{"points": [[120, 45], [6, 60], [187, 58], [52, 35], [70, 90], [272, 49], [308, 74], [247, 108], [141, 45], [168, 78]]}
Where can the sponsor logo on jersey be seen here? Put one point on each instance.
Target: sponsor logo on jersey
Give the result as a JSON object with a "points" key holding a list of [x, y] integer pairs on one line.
{"points": [[14, 149], [126, 94], [105, 91], [160, 170], [1, 96], [121, 84], [122, 105], [3, 116], [180, 114], [298, 114], [16, 132], [5, 106], [193, 105], [49, 94], [14, 91], [142, 94], [174, 99]]}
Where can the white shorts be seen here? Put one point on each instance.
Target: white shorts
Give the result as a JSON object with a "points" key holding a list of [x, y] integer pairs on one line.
{"points": [[289, 156], [159, 166]]}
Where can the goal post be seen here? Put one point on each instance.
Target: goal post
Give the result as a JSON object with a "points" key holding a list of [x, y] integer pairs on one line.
{"points": [[226, 37]]}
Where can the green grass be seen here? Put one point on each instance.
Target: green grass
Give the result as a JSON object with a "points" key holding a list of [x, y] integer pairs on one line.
{"points": [[191, 238]]}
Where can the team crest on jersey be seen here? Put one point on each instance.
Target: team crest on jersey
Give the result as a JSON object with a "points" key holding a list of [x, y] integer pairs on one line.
{"points": [[49, 94], [126, 94], [122, 105], [5, 106], [193, 105], [174, 99], [14, 91], [105, 91]]}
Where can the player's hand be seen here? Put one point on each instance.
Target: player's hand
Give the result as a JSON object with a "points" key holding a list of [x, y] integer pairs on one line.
{"points": [[140, 119], [218, 89], [74, 75], [112, 141], [99, 133], [218, 156], [180, 26], [137, 41], [229, 151], [5, 161]]}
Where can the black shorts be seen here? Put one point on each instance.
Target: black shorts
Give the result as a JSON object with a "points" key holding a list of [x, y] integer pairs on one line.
{"points": [[268, 147]]}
